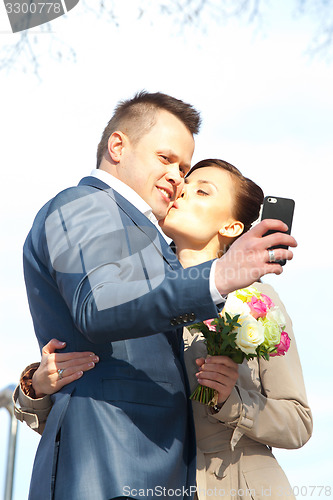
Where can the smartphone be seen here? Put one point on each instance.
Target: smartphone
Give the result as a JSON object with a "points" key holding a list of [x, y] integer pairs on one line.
{"points": [[281, 209]]}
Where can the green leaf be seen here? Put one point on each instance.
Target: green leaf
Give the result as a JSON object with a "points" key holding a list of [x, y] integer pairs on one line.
{"points": [[238, 357]]}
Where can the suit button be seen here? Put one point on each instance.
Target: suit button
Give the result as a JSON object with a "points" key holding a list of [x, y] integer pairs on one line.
{"points": [[191, 316], [174, 322], [179, 320], [185, 318]]}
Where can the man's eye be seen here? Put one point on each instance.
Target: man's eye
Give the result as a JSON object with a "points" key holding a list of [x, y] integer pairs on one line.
{"points": [[202, 193], [165, 158]]}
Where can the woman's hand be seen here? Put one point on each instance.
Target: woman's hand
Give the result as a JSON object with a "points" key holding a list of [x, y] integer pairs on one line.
{"points": [[46, 378], [219, 373]]}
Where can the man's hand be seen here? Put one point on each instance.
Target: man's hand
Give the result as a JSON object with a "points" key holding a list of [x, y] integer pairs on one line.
{"points": [[46, 378], [248, 259], [219, 373]]}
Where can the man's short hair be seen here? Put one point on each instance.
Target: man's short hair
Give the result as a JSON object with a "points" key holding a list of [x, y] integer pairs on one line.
{"points": [[135, 117]]}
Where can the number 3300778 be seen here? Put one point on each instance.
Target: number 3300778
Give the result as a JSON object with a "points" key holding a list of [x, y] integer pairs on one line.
{"points": [[305, 491], [33, 8]]}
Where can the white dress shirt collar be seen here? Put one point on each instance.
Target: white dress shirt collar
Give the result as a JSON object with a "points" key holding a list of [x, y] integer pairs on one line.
{"points": [[128, 193]]}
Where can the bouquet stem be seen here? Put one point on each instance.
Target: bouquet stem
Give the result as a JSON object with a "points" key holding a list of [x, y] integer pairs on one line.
{"points": [[204, 395], [208, 396]]}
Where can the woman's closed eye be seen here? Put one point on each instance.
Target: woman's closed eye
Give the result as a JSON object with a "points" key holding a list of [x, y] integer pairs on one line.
{"points": [[201, 192]]}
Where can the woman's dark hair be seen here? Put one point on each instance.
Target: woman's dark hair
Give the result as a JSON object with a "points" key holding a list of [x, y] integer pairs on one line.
{"points": [[248, 195]]}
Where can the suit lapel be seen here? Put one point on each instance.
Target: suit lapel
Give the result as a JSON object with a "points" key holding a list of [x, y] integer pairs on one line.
{"points": [[138, 219], [143, 224]]}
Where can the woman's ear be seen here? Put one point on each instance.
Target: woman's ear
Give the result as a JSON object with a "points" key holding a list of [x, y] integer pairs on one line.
{"points": [[232, 230], [116, 145]]}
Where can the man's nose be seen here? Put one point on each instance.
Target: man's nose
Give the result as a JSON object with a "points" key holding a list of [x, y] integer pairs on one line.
{"points": [[174, 175], [175, 178]]}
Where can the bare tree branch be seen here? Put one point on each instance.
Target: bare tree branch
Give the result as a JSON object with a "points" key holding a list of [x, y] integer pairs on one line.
{"points": [[184, 13], [321, 44]]}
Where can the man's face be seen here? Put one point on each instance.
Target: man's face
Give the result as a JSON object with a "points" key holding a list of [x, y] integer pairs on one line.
{"points": [[156, 165]]}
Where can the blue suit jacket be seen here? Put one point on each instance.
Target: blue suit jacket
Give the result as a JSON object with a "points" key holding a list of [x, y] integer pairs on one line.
{"points": [[101, 277]]}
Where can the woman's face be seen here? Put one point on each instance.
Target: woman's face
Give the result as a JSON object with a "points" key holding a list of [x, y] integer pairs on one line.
{"points": [[204, 208]]}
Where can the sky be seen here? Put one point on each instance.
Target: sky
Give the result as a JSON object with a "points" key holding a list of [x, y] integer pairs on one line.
{"points": [[267, 108]]}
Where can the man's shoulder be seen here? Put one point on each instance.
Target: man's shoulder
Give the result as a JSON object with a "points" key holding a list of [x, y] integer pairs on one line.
{"points": [[63, 199], [89, 187], [73, 192]]}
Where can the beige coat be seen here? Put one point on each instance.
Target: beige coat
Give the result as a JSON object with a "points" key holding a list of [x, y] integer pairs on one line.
{"points": [[267, 408]]}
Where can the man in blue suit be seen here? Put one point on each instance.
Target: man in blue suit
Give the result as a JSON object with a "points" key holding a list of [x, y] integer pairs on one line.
{"points": [[98, 270]]}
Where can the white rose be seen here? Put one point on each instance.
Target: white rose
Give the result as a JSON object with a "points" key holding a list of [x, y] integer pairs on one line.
{"points": [[234, 306], [249, 335], [275, 314]]}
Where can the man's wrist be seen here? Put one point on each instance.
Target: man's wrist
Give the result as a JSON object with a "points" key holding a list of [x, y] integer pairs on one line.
{"points": [[218, 298]]}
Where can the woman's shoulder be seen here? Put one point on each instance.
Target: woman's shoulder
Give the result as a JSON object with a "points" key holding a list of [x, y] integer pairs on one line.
{"points": [[264, 287]]}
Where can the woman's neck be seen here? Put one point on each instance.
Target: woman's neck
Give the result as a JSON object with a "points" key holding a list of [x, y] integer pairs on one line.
{"points": [[191, 257]]}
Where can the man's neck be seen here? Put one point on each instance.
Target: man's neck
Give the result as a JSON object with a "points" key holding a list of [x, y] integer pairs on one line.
{"points": [[130, 195], [126, 191]]}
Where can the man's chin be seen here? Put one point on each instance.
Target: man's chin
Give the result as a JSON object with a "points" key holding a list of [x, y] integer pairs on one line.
{"points": [[161, 212], [165, 230]]}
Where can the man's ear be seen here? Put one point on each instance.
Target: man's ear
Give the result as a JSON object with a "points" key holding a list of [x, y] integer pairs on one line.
{"points": [[116, 145], [235, 228]]}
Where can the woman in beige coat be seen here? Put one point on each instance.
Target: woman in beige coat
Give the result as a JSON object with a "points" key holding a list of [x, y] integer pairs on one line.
{"points": [[261, 404], [266, 408]]}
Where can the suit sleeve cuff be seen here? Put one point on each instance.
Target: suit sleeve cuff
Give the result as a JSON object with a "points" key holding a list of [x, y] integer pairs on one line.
{"points": [[217, 298]]}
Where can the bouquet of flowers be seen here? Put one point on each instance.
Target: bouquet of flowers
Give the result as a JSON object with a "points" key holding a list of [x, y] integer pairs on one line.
{"points": [[249, 326]]}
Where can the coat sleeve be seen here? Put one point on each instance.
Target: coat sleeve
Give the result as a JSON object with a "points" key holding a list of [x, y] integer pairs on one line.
{"points": [[278, 415], [33, 412]]}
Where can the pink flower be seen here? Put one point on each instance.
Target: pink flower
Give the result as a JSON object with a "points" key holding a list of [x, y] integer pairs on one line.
{"points": [[258, 307], [283, 346], [267, 300], [208, 323]]}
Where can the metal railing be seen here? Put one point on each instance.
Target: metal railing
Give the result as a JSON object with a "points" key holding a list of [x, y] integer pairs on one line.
{"points": [[6, 402]]}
